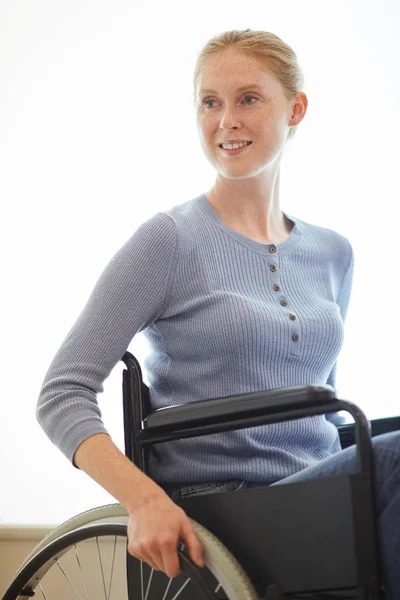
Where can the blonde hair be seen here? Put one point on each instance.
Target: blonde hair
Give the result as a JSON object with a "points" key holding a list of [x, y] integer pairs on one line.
{"points": [[279, 58]]}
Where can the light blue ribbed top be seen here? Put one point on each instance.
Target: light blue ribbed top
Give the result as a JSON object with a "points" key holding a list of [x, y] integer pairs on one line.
{"points": [[223, 315]]}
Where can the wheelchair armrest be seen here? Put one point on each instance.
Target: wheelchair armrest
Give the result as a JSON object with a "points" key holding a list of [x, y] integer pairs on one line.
{"points": [[378, 426], [218, 410], [203, 417]]}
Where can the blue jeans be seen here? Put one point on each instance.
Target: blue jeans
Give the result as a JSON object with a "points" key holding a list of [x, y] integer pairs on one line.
{"points": [[386, 449]]}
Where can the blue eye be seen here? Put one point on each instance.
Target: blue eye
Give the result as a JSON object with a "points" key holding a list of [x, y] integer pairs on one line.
{"points": [[208, 101], [251, 97]]}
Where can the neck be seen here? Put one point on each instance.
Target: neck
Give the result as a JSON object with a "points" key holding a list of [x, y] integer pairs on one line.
{"points": [[249, 208]]}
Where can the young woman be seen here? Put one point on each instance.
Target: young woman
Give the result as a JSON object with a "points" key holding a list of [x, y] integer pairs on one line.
{"points": [[234, 296]]}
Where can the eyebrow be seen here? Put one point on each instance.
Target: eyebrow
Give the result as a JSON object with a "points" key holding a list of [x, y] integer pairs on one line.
{"points": [[241, 89]]}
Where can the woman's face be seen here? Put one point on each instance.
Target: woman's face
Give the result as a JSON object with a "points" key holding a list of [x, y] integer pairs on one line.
{"points": [[238, 99]]}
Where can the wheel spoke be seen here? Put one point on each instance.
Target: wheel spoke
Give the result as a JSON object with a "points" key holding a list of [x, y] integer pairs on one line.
{"points": [[41, 589], [101, 568], [166, 591], [112, 568], [181, 589], [80, 568], [68, 579], [149, 583], [141, 579]]}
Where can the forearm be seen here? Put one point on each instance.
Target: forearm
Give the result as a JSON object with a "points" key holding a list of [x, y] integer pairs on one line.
{"points": [[102, 460]]}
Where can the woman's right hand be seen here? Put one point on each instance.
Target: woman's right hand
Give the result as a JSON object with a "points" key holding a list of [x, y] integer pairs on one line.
{"points": [[154, 530], [156, 523]]}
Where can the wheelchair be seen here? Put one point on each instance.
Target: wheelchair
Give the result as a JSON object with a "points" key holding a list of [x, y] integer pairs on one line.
{"points": [[268, 543]]}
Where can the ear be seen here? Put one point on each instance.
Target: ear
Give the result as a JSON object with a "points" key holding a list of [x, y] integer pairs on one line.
{"points": [[299, 108]]}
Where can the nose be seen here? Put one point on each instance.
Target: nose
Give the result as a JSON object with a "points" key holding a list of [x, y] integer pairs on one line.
{"points": [[229, 119]]}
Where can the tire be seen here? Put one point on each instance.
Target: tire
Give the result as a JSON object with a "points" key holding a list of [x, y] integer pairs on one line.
{"points": [[222, 572]]}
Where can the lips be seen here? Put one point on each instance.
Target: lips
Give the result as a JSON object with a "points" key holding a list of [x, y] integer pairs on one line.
{"points": [[236, 142], [235, 151]]}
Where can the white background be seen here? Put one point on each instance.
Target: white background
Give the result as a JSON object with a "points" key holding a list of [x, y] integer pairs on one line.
{"points": [[98, 134]]}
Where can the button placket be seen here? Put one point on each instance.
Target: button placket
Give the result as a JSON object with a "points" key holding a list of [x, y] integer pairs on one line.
{"points": [[277, 288]]}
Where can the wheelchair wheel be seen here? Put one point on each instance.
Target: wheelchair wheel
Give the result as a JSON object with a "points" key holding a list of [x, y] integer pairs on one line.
{"points": [[86, 558]]}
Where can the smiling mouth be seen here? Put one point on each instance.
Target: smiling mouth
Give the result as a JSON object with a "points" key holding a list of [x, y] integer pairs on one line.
{"points": [[247, 144], [233, 152]]}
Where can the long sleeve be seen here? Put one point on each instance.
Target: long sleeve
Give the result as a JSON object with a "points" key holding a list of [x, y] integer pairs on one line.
{"points": [[131, 292]]}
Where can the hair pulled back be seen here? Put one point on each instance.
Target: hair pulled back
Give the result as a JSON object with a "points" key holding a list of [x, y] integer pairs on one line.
{"points": [[279, 58]]}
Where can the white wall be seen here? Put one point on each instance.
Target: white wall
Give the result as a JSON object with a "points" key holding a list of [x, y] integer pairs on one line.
{"points": [[85, 90]]}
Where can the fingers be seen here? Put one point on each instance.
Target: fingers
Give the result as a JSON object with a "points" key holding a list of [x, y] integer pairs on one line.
{"points": [[195, 548], [140, 553], [154, 531], [161, 555], [170, 558]]}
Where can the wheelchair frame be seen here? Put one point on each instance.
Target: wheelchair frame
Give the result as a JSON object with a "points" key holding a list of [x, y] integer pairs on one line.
{"points": [[309, 551]]}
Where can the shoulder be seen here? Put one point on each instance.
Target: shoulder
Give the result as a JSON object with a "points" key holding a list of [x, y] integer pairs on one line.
{"points": [[180, 224], [328, 241], [161, 236], [174, 219], [185, 214]]}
